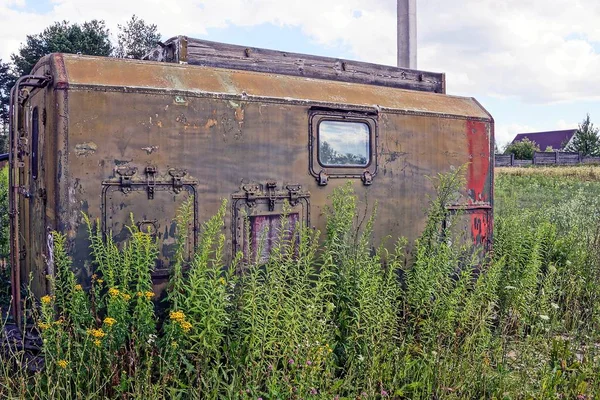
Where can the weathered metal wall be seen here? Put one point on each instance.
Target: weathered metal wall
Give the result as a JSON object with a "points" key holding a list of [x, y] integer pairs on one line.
{"points": [[111, 149]]}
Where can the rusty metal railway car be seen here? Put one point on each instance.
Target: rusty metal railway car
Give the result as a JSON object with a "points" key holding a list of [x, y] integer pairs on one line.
{"points": [[206, 122]]}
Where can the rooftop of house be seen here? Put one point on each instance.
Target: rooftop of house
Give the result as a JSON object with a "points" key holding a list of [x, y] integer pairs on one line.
{"points": [[555, 139]]}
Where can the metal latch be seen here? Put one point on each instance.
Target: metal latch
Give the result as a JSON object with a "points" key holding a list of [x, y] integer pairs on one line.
{"points": [[294, 193], [367, 178], [177, 175], [252, 191], [322, 178], [23, 191], [125, 181], [150, 181], [271, 186]]}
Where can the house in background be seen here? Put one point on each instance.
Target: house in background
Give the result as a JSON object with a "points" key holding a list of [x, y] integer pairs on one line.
{"points": [[558, 140]]}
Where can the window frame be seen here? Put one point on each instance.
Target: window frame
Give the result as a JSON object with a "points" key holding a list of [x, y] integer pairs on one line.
{"points": [[325, 172]]}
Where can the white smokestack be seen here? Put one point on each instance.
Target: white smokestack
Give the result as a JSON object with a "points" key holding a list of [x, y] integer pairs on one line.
{"points": [[407, 34]]}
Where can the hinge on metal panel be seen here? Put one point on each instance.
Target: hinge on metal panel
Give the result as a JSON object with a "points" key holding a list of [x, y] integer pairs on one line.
{"points": [[252, 191], [150, 181], [294, 193], [177, 174], [367, 178], [24, 192], [22, 147], [126, 173], [322, 178]]}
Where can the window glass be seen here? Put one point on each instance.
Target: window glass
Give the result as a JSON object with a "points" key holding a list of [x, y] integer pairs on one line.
{"points": [[265, 234], [343, 143]]}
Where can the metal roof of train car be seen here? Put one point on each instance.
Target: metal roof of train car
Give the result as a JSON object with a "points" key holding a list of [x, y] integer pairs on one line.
{"points": [[78, 71]]}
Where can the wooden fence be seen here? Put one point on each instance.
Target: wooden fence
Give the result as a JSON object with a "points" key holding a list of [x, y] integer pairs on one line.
{"points": [[545, 158]]}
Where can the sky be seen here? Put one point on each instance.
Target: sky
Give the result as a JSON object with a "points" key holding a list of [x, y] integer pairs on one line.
{"points": [[533, 64]]}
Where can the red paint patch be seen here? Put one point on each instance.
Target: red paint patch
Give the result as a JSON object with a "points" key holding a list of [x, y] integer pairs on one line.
{"points": [[478, 175], [481, 227], [479, 181]]}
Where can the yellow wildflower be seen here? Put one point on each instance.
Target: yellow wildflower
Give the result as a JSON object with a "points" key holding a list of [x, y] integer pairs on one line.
{"points": [[149, 295], [126, 297], [46, 299], [97, 343], [186, 326], [110, 321], [100, 281], [178, 316], [94, 277], [62, 363], [174, 345], [43, 325], [113, 292], [97, 333], [78, 287], [222, 281]]}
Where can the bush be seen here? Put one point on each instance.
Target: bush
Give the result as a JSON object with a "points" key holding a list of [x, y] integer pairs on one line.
{"points": [[523, 150]]}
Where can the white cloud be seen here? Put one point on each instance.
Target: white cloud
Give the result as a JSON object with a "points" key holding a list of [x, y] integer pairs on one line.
{"points": [[505, 133], [564, 125], [535, 50]]}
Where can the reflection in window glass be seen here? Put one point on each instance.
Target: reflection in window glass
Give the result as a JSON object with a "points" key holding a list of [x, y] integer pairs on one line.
{"points": [[343, 143]]}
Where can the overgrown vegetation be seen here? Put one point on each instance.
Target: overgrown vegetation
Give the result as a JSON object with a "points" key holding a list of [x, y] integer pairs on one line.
{"points": [[337, 320]]}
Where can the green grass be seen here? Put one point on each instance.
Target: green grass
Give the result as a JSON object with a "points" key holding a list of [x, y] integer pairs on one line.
{"points": [[329, 318]]}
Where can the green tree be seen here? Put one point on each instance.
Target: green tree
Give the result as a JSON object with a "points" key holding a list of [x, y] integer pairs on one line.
{"points": [[3, 212], [523, 149], [585, 140], [136, 38], [7, 80], [90, 38]]}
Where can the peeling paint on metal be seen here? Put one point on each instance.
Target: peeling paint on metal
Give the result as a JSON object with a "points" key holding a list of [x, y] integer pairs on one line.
{"points": [[85, 149], [150, 149]]}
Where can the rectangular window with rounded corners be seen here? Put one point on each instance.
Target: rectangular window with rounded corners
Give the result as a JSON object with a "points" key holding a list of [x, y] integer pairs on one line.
{"points": [[343, 143], [35, 133], [265, 233]]}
